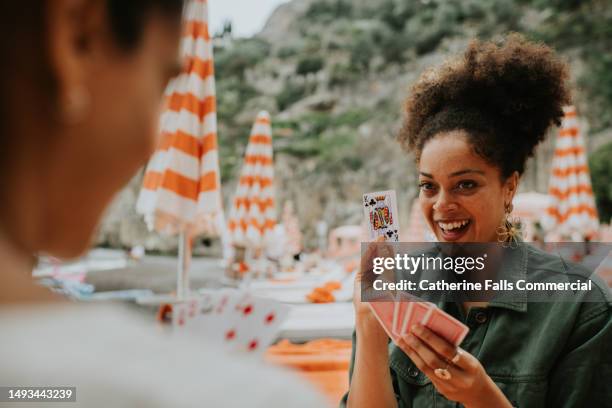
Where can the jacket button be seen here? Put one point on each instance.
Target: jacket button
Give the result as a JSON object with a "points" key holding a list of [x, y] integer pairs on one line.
{"points": [[413, 372], [480, 317]]}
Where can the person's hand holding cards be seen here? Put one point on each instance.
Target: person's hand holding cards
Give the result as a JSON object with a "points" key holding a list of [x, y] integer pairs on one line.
{"points": [[364, 318], [428, 335], [380, 211], [455, 373]]}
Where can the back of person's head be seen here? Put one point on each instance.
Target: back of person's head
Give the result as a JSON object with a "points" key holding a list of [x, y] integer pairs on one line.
{"points": [[80, 87]]}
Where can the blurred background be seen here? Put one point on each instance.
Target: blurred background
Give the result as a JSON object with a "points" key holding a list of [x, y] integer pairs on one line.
{"points": [[333, 74]]}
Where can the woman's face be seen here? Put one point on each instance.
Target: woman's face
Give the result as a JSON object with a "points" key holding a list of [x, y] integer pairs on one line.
{"points": [[91, 159], [461, 194]]}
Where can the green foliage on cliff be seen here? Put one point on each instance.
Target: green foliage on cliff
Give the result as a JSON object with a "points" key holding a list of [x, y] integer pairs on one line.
{"points": [[352, 43], [600, 164], [309, 65]]}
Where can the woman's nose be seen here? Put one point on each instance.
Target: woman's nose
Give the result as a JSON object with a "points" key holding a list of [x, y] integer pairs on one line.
{"points": [[444, 203]]}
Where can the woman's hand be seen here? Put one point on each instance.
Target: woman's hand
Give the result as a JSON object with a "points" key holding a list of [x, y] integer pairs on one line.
{"points": [[371, 384], [365, 321], [468, 384]]}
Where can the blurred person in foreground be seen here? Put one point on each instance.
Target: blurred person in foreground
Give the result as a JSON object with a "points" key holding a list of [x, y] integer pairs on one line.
{"points": [[472, 123], [82, 82]]}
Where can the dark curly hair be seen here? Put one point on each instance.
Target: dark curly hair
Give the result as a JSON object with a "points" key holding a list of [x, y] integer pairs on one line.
{"points": [[505, 95]]}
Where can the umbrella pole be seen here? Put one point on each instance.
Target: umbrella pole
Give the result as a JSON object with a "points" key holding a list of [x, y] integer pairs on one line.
{"points": [[248, 276], [184, 255]]}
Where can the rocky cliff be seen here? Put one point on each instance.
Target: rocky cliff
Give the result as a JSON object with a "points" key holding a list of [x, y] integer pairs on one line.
{"points": [[334, 73]]}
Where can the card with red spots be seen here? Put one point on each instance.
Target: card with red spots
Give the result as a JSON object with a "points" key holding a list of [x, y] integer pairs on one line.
{"points": [[210, 315], [222, 324], [179, 315], [256, 324]]}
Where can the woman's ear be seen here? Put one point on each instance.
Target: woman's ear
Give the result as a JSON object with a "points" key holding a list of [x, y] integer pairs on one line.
{"points": [[511, 186], [73, 32]]}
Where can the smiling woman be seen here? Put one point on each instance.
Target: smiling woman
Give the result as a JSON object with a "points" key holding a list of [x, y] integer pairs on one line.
{"points": [[472, 123], [484, 114]]}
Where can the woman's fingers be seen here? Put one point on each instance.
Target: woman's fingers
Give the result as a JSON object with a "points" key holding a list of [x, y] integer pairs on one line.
{"points": [[430, 357], [455, 355], [414, 356], [375, 249], [422, 365], [435, 342], [366, 259]]}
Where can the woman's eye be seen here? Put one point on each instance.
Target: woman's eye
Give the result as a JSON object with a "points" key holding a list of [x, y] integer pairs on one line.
{"points": [[426, 186], [466, 185]]}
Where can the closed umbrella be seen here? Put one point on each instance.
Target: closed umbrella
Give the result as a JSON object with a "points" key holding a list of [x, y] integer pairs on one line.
{"points": [[181, 187], [253, 214], [571, 211]]}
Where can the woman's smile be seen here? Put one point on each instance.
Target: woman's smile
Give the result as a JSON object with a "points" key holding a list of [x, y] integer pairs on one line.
{"points": [[452, 229]]}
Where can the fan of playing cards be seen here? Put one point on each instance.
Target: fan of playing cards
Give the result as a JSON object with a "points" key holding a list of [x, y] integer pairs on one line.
{"points": [[232, 318], [398, 313]]}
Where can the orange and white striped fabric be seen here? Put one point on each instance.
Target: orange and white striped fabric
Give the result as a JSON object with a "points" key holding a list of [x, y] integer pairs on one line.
{"points": [[181, 187], [253, 214], [572, 208]]}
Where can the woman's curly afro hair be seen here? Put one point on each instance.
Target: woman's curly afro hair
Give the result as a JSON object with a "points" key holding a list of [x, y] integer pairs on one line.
{"points": [[504, 95]]}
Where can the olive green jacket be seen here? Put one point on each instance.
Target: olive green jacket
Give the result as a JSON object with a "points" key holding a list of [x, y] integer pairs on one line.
{"points": [[539, 354]]}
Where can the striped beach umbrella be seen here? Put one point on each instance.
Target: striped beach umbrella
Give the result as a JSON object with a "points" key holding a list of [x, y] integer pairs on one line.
{"points": [[571, 211], [253, 216], [181, 187]]}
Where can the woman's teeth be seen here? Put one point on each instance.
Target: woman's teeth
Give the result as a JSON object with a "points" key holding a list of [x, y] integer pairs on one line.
{"points": [[448, 226]]}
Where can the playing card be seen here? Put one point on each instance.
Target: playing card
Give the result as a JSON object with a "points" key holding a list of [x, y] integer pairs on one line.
{"points": [[192, 308], [204, 316], [205, 304], [257, 324], [179, 315], [380, 210], [233, 319], [402, 304], [222, 325], [446, 326], [384, 310], [188, 315], [418, 312]]}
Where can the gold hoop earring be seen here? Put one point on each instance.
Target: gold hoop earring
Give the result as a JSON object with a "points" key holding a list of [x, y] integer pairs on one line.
{"points": [[74, 105], [509, 234]]}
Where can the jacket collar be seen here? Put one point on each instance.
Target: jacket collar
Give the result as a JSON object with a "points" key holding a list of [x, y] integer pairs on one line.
{"points": [[514, 267]]}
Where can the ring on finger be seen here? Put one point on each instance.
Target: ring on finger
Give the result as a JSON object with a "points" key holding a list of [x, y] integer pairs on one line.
{"points": [[443, 373]]}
